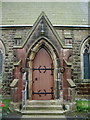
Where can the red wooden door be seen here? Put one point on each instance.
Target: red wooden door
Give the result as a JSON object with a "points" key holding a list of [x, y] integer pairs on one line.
{"points": [[43, 78]]}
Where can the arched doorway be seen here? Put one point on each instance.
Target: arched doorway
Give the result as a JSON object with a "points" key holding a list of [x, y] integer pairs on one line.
{"points": [[42, 76], [45, 46]]}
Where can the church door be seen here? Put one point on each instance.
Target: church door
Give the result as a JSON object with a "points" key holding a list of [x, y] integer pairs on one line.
{"points": [[42, 76]]}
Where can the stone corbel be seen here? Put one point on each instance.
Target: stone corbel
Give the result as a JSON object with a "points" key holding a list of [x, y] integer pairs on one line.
{"points": [[14, 83], [71, 83]]}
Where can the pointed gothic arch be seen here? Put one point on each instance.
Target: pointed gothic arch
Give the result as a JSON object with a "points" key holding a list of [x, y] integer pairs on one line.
{"points": [[85, 58], [2, 55], [33, 50]]}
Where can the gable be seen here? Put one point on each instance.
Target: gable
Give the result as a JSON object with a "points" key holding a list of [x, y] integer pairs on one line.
{"points": [[42, 29]]}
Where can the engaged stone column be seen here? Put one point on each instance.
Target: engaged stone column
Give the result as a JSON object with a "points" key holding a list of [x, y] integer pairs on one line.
{"points": [[58, 83]]}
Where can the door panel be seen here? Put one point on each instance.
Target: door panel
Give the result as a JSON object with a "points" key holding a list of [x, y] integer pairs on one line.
{"points": [[43, 78]]}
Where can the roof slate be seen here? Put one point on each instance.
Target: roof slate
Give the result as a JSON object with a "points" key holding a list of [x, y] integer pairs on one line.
{"points": [[59, 13]]}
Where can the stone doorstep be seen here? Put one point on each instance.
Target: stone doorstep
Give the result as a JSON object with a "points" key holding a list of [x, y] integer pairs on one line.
{"points": [[43, 112], [36, 117], [51, 106], [39, 102], [44, 102], [43, 107], [48, 105], [43, 116]]}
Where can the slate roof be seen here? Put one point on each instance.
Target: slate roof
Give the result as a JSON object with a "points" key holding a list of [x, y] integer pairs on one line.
{"points": [[59, 13]]}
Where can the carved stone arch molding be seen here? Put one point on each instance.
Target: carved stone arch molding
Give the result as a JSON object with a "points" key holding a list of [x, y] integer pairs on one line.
{"points": [[2, 46], [2, 53], [84, 45], [50, 48]]}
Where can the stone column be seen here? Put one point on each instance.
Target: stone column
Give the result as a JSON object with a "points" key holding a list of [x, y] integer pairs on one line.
{"points": [[58, 84]]}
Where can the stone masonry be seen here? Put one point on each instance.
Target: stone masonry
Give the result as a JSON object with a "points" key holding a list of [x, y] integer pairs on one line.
{"points": [[10, 35]]}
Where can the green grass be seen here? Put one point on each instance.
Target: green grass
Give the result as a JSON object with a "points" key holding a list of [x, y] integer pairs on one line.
{"points": [[83, 105]]}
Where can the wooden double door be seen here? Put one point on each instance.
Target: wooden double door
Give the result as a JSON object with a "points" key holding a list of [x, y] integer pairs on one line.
{"points": [[42, 76]]}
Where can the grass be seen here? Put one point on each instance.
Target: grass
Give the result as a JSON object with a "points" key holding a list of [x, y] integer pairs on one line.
{"points": [[83, 105]]}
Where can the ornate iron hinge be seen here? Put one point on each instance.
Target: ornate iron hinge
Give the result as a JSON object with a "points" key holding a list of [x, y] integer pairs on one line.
{"points": [[44, 68], [39, 92]]}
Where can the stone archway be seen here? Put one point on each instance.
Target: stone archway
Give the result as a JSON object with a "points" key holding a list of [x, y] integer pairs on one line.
{"points": [[2, 55], [43, 43]]}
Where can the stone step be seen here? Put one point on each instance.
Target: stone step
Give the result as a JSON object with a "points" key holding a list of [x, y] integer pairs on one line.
{"points": [[44, 107], [41, 117], [44, 102], [43, 112]]}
